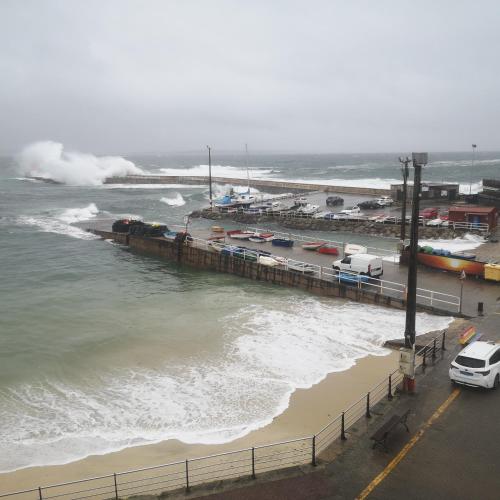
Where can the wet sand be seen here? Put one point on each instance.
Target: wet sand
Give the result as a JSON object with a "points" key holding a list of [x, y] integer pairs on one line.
{"points": [[309, 410]]}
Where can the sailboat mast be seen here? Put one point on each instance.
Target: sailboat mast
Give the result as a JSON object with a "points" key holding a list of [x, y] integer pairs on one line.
{"points": [[248, 172]]}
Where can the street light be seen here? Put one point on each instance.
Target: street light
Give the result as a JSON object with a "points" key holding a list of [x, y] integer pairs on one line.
{"points": [[418, 159]]}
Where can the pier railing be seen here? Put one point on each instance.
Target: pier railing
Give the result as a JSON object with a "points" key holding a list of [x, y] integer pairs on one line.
{"points": [[244, 463], [393, 289]]}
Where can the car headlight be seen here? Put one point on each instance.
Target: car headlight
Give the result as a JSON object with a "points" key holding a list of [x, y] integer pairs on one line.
{"points": [[486, 372]]}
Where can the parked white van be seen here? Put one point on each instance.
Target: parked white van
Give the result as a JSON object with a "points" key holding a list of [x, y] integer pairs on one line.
{"points": [[362, 263]]}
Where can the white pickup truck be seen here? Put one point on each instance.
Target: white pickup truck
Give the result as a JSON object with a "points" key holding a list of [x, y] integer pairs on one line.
{"points": [[361, 263]]}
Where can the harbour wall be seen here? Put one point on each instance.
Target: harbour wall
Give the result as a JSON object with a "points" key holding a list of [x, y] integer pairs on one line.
{"points": [[200, 258], [268, 185]]}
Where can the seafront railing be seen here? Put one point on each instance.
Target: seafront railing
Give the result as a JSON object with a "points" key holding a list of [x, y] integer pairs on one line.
{"points": [[244, 463], [393, 289]]}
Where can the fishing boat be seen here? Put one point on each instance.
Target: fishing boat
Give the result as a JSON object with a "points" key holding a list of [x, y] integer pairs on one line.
{"points": [[243, 235], [268, 261], [239, 234], [312, 245], [447, 261], [282, 242], [328, 249], [170, 235], [452, 263], [301, 267]]}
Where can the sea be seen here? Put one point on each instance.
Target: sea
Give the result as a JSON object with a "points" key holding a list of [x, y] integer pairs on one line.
{"points": [[102, 349]]}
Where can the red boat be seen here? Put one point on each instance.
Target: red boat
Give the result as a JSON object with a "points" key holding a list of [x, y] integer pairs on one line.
{"points": [[312, 245], [328, 249]]}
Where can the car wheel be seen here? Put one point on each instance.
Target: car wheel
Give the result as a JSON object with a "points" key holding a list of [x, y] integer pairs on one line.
{"points": [[336, 268], [496, 382]]}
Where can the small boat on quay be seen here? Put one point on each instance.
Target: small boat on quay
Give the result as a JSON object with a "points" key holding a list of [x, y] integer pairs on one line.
{"points": [[170, 235], [217, 229], [257, 239], [238, 234], [268, 261], [312, 245], [328, 249], [282, 242], [301, 267]]}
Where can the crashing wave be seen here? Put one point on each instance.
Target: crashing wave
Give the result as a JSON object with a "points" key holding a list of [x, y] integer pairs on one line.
{"points": [[48, 160]]}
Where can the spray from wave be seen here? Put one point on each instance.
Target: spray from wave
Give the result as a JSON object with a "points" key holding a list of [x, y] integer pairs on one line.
{"points": [[49, 160], [174, 201], [61, 222]]}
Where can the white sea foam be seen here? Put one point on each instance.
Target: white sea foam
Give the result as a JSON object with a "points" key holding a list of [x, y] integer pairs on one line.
{"points": [[49, 160], [153, 186], [270, 350], [61, 222], [467, 242], [175, 200], [217, 171]]}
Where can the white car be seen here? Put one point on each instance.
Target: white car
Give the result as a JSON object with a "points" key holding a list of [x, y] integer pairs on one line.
{"points": [[477, 365], [351, 210]]}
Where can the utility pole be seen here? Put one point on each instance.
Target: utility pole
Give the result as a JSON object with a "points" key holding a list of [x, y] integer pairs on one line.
{"points": [[210, 175], [404, 169], [419, 159]]}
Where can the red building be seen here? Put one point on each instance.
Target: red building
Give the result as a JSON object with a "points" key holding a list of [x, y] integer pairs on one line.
{"points": [[474, 215]]}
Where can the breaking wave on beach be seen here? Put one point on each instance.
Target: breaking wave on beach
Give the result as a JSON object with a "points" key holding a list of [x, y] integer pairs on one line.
{"points": [[270, 350]]}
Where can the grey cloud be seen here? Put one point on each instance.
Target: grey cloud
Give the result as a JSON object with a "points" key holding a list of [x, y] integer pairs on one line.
{"points": [[283, 75]]}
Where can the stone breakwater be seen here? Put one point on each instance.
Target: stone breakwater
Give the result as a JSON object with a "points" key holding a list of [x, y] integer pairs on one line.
{"points": [[350, 226], [269, 186]]}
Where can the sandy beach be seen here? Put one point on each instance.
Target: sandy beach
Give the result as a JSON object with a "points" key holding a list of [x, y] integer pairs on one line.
{"points": [[309, 410]]}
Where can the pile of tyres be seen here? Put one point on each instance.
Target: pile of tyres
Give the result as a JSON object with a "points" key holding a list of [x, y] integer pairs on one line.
{"points": [[138, 228]]}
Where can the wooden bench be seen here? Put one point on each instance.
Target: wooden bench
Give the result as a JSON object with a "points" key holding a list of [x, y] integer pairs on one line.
{"points": [[380, 437]]}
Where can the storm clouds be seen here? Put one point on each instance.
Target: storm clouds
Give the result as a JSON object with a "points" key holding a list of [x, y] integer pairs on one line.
{"points": [[316, 76]]}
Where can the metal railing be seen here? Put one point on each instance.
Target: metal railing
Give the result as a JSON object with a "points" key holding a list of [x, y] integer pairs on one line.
{"points": [[247, 462], [393, 289]]}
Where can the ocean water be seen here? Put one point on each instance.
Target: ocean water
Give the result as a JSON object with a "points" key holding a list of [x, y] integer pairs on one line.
{"points": [[102, 349]]}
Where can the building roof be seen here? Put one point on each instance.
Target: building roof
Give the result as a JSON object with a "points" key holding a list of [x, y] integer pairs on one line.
{"points": [[473, 209]]}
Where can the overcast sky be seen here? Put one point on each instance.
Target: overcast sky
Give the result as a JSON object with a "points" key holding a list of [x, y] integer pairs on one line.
{"points": [[314, 76]]}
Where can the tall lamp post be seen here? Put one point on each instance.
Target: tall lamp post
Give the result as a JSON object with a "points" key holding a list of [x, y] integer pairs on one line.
{"points": [[408, 354], [210, 175], [404, 170]]}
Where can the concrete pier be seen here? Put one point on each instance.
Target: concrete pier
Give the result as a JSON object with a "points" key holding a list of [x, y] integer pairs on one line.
{"points": [[267, 185], [201, 258]]}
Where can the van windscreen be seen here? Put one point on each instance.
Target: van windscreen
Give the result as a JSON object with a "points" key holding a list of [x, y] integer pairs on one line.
{"points": [[470, 362]]}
